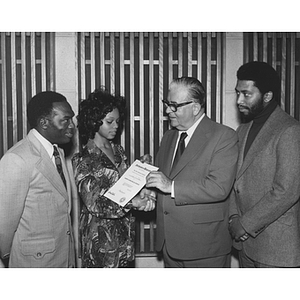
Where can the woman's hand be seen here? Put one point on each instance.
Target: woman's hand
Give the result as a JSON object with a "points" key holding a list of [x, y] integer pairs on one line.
{"points": [[147, 158], [145, 200]]}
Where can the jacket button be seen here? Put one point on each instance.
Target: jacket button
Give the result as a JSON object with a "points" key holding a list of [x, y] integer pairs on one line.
{"points": [[39, 254], [166, 213], [68, 232], [237, 191]]}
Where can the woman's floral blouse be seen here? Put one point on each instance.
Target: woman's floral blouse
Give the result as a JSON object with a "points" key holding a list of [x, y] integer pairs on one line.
{"points": [[107, 229]]}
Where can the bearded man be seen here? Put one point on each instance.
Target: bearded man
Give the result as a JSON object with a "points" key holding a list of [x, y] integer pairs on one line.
{"points": [[264, 203]]}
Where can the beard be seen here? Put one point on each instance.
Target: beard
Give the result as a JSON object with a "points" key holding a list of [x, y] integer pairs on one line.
{"points": [[251, 112]]}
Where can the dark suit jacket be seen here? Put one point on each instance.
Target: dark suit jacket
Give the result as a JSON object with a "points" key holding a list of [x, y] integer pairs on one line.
{"points": [[194, 225], [35, 223], [267, 190]]}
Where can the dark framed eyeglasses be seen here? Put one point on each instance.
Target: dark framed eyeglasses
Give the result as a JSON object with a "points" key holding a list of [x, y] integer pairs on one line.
{"points": [[174, 106]]}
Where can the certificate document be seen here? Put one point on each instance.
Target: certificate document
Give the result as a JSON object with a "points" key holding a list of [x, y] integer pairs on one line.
{"points": [[130, 183]]}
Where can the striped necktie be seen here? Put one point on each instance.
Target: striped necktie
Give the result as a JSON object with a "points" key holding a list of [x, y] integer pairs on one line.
{"points": [[180, 148], [58, 164]]}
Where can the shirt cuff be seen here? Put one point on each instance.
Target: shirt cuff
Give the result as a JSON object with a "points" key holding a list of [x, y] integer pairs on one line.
{"points": [[173, 191]]}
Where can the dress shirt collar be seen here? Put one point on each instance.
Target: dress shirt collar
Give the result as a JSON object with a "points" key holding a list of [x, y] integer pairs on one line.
{"points": [[46, 144], [191, 130]]}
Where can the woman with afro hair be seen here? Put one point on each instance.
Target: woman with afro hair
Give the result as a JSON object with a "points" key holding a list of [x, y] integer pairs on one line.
{"points": [[106, 229]]}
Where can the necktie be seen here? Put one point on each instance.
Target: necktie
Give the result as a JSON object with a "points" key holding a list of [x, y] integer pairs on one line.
{"points": [[180, 148], [58, 164]]}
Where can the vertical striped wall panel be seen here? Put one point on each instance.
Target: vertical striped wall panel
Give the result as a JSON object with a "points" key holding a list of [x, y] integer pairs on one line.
{"points": [[140, 66], [26, 68], [282, 51]]}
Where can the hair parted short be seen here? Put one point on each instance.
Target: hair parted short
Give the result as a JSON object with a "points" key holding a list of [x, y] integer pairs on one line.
{"points": [[41, 105], [196, 90]]}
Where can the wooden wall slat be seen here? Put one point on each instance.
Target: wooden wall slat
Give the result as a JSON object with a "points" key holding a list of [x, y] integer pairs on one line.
{"points": [[208, 74], [190, 49], [283, 71], [102, 60], [93, 63], [4, 94], [24, 85], [141, 120], [180, 54], [151, 107], [170, 44], [132, 116], [265, 46], [255, 46], [43, 62], [223, 71], [33, 60], [82, 67], [14, 115], [52, 61], [161, 84], [218, 80], [141, 93], [274, 50], [151, 93], [292, 76], [199, 57], [77, 79], [122, 76], [112, 63]]}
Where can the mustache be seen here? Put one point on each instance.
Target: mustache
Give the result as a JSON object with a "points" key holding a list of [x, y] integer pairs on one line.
{"points": [[243, 106]]}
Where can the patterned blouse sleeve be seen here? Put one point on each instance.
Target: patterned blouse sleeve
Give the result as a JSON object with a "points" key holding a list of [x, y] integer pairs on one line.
{"points": [[92, 185]]}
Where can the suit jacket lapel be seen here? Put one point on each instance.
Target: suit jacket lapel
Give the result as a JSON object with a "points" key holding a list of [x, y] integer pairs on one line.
{"points": [[242, 132], [168, 154], [262, 139], [46, 166], [194, 146]]}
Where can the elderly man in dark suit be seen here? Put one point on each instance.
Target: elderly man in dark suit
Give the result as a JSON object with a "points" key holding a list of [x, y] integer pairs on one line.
{"points": [[264, 207], [192, 206]]}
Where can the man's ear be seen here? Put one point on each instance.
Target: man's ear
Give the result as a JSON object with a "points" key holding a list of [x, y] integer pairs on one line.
{"points": [[43, 122], [268, 96], [196, 108]]}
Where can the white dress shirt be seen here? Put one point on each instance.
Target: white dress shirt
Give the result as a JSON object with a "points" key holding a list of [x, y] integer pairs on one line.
{"points": [[46, 144]]}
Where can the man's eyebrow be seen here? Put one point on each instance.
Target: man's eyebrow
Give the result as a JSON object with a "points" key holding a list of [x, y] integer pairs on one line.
{"points": [[242, 91]]}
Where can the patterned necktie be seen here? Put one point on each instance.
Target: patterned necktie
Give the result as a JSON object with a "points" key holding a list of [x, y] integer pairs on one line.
{"points": [[180, 148], [58, 164]]}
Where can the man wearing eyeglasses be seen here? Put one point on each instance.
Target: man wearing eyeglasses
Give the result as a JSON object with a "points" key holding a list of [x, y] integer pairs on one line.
{"points": [[193, 182]]}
